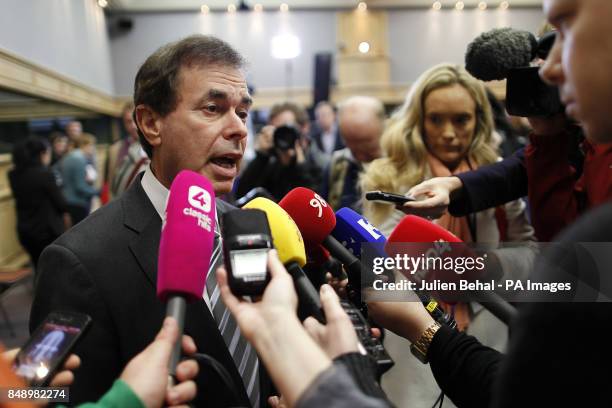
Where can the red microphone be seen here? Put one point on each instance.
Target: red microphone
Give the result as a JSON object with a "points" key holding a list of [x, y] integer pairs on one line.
{"points": [[185, 247], [316, 220], [429, 238]]}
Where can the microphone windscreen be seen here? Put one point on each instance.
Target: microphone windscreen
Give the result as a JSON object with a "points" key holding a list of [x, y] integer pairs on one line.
{"points": [[352, 230], [285, 234], [313, 216], [492, 54], [416, 229], [187, 237]]}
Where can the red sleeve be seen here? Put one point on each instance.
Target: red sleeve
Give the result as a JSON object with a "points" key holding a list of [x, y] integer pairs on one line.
{"points": [[552, 197]]}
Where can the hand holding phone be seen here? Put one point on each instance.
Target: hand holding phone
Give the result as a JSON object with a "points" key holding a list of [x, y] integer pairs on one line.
{"points": [[387, 197], [45, 352]]}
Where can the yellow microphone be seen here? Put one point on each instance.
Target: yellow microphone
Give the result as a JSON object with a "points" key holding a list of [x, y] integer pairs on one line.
{"points": [[289, 244]]}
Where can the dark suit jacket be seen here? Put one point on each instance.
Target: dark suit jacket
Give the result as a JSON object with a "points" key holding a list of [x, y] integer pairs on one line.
{"points": [[317, 134], [106, 266], [491, 186]]}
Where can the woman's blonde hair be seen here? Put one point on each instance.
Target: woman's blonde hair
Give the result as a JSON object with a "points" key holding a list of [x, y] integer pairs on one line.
{"points": [[404, 161]]}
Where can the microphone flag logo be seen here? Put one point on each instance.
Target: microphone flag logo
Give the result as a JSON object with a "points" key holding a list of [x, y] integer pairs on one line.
{"points": [[200, 198]]}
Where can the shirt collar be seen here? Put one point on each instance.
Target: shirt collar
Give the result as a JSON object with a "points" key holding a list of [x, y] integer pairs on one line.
{"points": [[158, 194]]}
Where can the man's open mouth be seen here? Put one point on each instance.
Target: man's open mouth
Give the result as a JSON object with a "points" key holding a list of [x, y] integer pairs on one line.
{"points": [[225, 162]]}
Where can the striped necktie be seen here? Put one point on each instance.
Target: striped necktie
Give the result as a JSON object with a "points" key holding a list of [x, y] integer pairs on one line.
{"points": [[242, 352]]}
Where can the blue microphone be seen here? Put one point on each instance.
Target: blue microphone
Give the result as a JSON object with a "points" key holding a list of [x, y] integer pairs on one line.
{"points": [[353, 230]]}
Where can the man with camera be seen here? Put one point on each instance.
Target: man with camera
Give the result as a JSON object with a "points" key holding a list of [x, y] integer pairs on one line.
{"points": [[284, 158]]}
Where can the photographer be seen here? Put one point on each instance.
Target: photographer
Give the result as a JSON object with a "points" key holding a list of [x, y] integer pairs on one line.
{"points": [[284, 159]]}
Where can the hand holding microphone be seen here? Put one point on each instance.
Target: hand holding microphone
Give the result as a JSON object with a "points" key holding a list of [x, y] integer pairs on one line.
{"points": [[185, 247], [290, 246], [146, 374]]}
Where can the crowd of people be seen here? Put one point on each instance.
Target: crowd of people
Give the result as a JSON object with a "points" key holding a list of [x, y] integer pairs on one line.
{"points": [[190, 109]]}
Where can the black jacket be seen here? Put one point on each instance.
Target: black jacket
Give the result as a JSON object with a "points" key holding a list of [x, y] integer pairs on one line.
{"points": [[267, 172], [106, 266], [39, 203]]}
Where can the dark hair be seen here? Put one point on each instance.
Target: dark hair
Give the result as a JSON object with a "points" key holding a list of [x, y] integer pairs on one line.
{"points": [[301, 116], [157, 81], [27, 153]]}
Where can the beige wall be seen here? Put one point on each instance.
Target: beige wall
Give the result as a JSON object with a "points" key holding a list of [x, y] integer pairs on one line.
{"points": [[11, 253]]}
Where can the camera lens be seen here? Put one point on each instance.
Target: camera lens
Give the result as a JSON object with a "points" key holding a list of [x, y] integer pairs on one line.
{"points": [[285, 137]]}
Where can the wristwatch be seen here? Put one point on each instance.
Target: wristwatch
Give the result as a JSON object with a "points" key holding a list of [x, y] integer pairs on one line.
{"points": [[421, 346]]}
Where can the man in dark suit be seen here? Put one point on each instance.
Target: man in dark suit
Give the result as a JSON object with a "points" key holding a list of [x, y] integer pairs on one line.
{"points": [[325, 132], [191, 107]]}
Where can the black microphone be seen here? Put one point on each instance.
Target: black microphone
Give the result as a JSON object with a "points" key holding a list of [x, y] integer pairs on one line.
{"points": [[492, 54], [247, 241]]}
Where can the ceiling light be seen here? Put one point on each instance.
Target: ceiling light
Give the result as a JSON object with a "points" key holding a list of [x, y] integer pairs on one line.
{"points": [[258, 8], [204, 9], [102, 3], [482, 5], [504, 5], [364, 47], [437, 5], [459, 5], [231, 8], [284, 7], [362, 6]]}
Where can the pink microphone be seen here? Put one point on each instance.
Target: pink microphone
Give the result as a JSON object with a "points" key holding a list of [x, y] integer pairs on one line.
{"points": [[185, 247]]}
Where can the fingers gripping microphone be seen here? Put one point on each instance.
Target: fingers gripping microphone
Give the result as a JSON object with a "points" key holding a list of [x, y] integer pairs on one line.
{"points": [[316, 220], [419, 230], [185, 247], [354, 230], [290, 246]]}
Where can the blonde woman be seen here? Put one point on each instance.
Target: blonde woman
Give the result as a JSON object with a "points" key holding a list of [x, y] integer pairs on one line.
{"points": [[444, 127]]}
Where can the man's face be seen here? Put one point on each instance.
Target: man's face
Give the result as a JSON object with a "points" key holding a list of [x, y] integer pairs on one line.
{"points": [[325, 117], [287, 118], [74, 129], [128, 123], [362, 137], [580, 62], [206, 133]]}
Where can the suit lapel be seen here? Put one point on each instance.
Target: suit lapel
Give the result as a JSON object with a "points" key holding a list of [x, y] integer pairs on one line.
{"points": [[140, 216]]}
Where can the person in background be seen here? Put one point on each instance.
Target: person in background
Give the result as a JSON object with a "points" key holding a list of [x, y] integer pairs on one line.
{"points": [[361, 121], [126, 158], [42, 211], [280, 168], [73, 130], [445, 127], [59, 146], [325, 133], [76, 186]]}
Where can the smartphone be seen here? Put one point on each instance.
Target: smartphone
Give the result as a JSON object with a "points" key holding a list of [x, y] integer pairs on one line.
{"points": [[387, 197], [45, 352]]}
